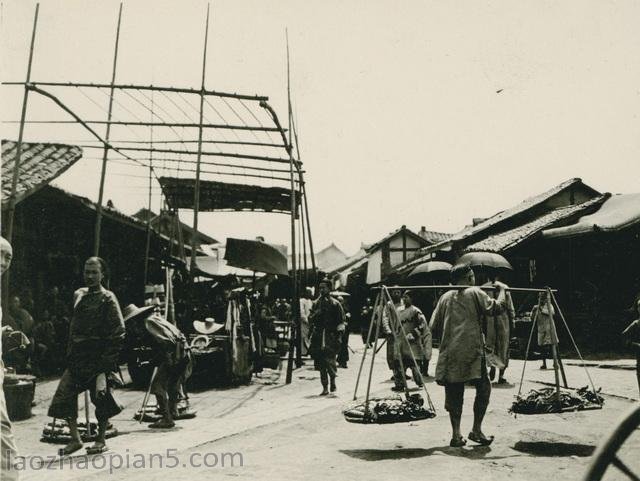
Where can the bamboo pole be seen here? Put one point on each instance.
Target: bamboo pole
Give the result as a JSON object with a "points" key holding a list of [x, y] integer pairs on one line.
{"points": [[148, 241], [137, 123], [377, 310], [105, 154], [554, 348], [566, 325], [294, 216], [16, 165], [373, 356], [213, 93], [459, 287], [160, 142], [196, 194], [413, 357], [294, 278], [526, 354], [199, 152]]}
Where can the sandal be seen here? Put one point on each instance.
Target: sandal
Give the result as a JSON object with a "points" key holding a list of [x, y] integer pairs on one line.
{"points": [[483, 441], [99, 449], [69, 449], [457, 442]]}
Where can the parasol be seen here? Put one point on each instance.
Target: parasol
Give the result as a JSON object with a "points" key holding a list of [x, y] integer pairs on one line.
{"points": [[431, 266], [485, 259], [256, 256]]}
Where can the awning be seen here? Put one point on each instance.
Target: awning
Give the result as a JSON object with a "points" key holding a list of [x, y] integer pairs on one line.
{"points": [[223, 196], [40, 163], [618, 212], [257, 256]]}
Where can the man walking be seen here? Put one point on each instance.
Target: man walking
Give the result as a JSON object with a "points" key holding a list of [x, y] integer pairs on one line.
{"points": [[458, 315], [327, 320]]}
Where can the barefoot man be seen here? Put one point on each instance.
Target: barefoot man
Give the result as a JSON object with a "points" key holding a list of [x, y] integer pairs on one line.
{"points": [[461, 359]]}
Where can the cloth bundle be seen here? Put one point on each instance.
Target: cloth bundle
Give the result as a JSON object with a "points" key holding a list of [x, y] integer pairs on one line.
{"points": [[543, 401], [389, 410]]}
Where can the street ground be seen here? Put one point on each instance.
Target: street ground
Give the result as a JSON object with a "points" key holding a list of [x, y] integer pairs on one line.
{"points": [[288, 432]]}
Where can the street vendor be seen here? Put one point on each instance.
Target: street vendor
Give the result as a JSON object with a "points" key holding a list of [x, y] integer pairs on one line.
{"points": [[461, 358], [499, 329], [327, 323], [411, 350], [171, 357], [95, 339], [632, 335]]}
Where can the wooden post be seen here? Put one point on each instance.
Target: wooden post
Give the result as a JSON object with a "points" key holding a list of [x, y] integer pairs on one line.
{"points": [[196, 194], [148, 242], [375, 318], [105, 154]]}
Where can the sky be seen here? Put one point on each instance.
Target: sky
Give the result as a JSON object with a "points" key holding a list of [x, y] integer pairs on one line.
{"points": [[422, 113]]}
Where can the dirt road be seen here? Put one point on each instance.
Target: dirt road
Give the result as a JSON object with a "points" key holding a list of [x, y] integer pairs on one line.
{"points": [[269, 430]]}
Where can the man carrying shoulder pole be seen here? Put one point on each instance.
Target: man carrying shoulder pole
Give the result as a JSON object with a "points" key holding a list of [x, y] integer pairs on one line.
{"points": [[462, 357]]}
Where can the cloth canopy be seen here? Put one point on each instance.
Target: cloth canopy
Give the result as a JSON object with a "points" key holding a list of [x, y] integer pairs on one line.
{"points": [[224, 196], [617, 213]]}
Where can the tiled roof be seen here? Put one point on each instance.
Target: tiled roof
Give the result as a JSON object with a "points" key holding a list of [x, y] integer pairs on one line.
{"points": [[517, 209], [434, 237], [374, 246], [511, 238], [40, 163]]}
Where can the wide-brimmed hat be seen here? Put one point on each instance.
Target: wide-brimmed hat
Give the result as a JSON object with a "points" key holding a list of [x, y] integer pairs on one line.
{"points": [[208, 326], [133, 312]]}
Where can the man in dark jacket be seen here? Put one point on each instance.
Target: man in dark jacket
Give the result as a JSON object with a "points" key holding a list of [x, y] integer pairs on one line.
{"points": [[171, 356], [327, 322]]}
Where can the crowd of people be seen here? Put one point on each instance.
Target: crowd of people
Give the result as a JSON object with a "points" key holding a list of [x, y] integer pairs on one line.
{"points": [[34, 339], [473, 327]]}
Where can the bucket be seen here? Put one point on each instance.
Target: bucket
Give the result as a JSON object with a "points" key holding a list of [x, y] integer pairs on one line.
{"points": [[19, 396]]}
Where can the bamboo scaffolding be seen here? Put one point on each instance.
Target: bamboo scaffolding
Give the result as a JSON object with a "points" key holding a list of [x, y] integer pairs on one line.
{"points": [[105, 147], [179, 141], [138, 123], [16, 165], [187, 161], [196, 193], [212, 93]]}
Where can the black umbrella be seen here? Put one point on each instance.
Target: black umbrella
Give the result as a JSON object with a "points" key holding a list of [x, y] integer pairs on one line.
{"points": [[431, 266], [485, 259]]}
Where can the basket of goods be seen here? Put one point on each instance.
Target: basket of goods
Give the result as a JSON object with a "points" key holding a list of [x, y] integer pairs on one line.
{"points": [[57, 432], [388, 410], [548, 400]]}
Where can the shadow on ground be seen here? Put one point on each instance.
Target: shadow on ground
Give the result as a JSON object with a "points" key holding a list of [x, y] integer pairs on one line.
{"points": [[554, 449], [470, 452]]}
